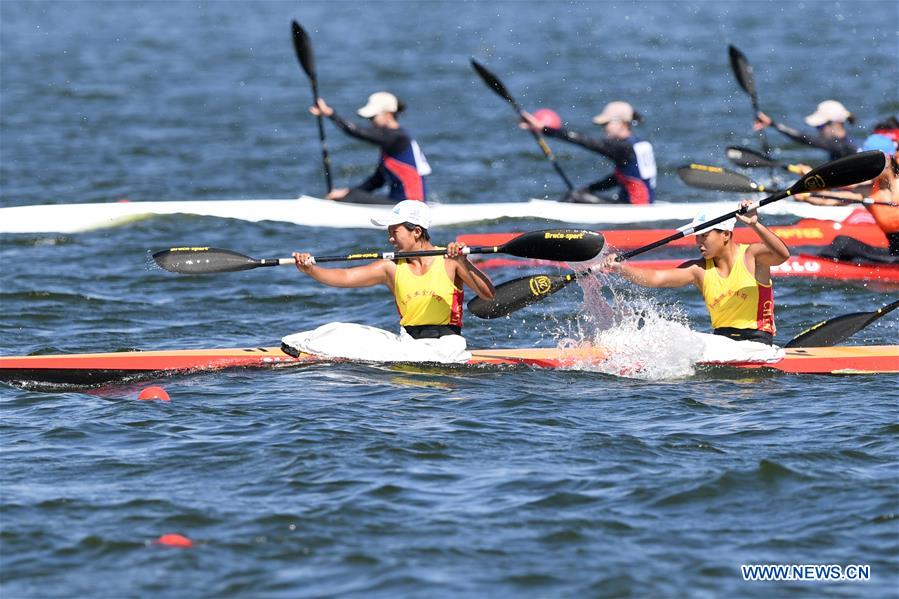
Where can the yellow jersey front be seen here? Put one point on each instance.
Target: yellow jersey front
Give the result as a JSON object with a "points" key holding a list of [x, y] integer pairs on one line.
{"points": [[431, 298], [739, 301]]}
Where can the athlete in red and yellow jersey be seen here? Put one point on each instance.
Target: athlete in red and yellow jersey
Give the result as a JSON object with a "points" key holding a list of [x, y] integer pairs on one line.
{"points": [[427, 289], [734, 279]]}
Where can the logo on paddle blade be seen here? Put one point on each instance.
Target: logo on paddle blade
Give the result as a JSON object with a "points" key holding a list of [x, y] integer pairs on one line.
{"points": [[815, 183], [564, 235], [540, 285]]}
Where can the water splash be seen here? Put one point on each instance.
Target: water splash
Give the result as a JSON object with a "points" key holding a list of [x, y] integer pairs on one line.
{"points": [[645, 340]]}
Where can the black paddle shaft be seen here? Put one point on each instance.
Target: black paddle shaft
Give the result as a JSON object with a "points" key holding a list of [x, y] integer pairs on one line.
{"points": [[839, 173], [571, 245], [743, 72], [303, 47], [496, 85]]}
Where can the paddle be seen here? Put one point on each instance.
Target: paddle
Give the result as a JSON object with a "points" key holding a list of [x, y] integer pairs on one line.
{"points": [[524, 291], [570, 245], [749, 158], [833, 331], [717, 178], [303, 47], [743, 72], [496, 85]]}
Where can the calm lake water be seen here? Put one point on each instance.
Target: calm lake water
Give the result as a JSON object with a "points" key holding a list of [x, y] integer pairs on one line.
{"points": [[375, 482]]}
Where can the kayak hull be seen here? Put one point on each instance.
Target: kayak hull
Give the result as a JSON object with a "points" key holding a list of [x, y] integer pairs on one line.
{"points": [[75, 371], [315, 212]]}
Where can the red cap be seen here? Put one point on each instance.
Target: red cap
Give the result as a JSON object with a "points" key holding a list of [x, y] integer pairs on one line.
{"points": [[548, 118]]}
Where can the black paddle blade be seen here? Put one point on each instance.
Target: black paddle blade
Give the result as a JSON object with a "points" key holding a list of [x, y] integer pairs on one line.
{"points": [[492, 82], [848, 170], [833, 331], [742, 70], [566, 245], [203, 260], [717, 178], [518, 293], [303, 47], [748, 158]]}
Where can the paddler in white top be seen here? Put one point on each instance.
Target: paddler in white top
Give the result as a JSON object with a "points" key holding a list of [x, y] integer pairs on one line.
{"points": [[427, 291]]}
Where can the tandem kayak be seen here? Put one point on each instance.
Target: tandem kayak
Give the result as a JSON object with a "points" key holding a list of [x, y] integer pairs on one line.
{"points": [[315, 212], [807, 232], [81, 371]]}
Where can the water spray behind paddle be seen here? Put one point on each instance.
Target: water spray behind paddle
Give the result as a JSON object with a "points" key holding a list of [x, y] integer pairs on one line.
{"points": [[645, 339]]}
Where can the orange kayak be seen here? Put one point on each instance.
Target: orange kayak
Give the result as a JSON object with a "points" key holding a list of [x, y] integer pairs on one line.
{"points": [[80, 371]]}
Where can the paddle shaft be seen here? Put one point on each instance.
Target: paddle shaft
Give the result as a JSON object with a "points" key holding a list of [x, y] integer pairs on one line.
{"points": [[720, 179], [482, 249], [689, 230], [303, 47], [326, 159], [743, 72], [496, 85]]}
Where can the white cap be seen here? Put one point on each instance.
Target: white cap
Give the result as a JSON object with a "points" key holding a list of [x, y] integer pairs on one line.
{"points": [[615, 111], [377, 103], [702, 217], [828, 111], [415, 212]]}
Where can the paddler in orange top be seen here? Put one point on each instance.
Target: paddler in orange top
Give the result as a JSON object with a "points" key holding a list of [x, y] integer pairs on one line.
{"points": [[427, 289], [734, 279], [884, 188]]}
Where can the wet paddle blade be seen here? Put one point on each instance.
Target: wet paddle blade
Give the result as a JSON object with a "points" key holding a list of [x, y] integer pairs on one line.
{"points": [[749, 158], [833, 331], [303, 47], [716, 178], [565, 245], [492, 82], [849, 170], [517, 294], [203, 260], [743, 71]]}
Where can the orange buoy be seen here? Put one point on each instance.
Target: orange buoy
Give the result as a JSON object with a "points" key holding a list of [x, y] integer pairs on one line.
{"points": [[154, 393], [175, 540]]}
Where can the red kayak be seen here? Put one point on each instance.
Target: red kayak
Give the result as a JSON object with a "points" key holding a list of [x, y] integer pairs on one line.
{"points": [[803, 265], [807, 232]]}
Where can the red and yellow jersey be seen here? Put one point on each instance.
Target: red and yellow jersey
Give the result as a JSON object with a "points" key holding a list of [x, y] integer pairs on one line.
{"points": [[431, 298], [739, 301]]}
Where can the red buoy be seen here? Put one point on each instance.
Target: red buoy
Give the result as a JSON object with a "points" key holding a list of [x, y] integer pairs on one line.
{"points": [[175, 540], [154, 393]]}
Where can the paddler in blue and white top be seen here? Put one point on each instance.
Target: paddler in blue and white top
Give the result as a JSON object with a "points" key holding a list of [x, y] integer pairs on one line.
{"points": [[402, 164], [427, 291], [634, 177]]}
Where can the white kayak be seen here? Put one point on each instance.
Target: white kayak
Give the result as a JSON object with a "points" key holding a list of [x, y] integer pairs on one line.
{"points": [[314, 212]]}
